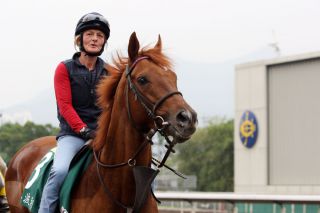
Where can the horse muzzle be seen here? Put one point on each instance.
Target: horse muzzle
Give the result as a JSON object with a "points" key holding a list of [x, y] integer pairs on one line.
{"points": [[183, 125]]}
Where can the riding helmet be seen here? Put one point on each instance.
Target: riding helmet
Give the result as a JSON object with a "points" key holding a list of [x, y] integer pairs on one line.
{"points": [[93, 21]]}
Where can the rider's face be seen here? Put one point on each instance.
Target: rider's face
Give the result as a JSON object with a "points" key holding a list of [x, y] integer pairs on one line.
{"points": [[93, 40]]}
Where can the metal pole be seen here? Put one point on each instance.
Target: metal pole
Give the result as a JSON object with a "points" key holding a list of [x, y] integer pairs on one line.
{"points": [[283, 209], [292, 208], [194, 206], [274, 208], [235, 208]]}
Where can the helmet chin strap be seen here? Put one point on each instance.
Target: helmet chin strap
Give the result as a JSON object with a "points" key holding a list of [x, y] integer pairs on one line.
{"points": [[90, 53]]}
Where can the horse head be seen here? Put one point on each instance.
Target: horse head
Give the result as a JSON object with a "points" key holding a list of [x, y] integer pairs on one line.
{"points": [[153, 84], [143, 89]]}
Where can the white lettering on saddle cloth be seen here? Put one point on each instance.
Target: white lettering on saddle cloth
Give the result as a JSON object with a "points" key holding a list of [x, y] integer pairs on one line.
{"points": [[36, 172], [28, 199]]}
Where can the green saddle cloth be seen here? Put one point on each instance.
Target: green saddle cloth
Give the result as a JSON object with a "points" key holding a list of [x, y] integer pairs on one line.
{"points": [[31, 196]]}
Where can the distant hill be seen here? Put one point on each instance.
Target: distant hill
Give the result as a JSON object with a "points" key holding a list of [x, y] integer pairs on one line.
{"points": [[208, 88], [40, 109]]}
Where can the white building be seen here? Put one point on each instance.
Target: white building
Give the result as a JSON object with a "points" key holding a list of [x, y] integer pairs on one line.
{"points": [[284, 96]]}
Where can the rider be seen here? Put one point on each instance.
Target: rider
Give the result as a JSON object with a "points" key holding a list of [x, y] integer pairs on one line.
{"points": [[75, 81], [3, 199], [3, 166]]}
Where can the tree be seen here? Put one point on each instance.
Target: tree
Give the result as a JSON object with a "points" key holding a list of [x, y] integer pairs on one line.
{"points": [[209, 156], [14, 136]]}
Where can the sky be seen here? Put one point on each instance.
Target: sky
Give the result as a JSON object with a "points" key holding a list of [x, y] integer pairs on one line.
{"points": [[36, 34]]}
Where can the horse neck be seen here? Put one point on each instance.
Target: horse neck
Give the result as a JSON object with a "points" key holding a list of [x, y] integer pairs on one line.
{"points": [[123, 139]]}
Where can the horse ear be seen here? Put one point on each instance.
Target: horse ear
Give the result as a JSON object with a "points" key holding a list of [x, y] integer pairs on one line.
{"points": [[133, 47], [158, 44]]}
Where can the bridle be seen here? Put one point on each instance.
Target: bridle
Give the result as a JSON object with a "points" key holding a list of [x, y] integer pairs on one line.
{"points": [[160, 126], [149, 107]]}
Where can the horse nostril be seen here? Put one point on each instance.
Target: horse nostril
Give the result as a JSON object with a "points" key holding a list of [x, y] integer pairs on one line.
{"points": [[183, 118]]}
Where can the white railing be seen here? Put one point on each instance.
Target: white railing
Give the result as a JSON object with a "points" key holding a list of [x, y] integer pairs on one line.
{"points": [[234, 198]]}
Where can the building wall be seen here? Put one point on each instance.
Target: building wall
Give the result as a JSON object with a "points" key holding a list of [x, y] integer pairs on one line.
{"points": [[276, 91], [294, 113]]}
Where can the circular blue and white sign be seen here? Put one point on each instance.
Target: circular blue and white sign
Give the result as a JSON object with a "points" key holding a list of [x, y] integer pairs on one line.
{"points": [[248, 129]]}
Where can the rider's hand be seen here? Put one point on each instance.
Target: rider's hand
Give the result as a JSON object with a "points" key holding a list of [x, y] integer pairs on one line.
{"points": [[86, 133]]}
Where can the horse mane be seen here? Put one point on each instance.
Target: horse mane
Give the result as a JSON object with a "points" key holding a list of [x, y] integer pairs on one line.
{"points": [[108, 85], [105, 91]]}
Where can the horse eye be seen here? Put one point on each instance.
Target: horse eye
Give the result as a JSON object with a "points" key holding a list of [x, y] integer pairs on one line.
{"points": [[142, 80]]}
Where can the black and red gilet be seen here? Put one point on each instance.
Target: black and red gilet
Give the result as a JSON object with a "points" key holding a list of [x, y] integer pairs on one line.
{"points": [[76, 96]]}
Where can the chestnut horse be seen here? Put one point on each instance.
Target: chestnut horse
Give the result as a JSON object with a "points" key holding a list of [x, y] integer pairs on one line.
{"points": [[140, 95]]}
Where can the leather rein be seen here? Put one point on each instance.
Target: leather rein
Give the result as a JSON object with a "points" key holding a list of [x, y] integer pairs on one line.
{"points": [[160, 126]]}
